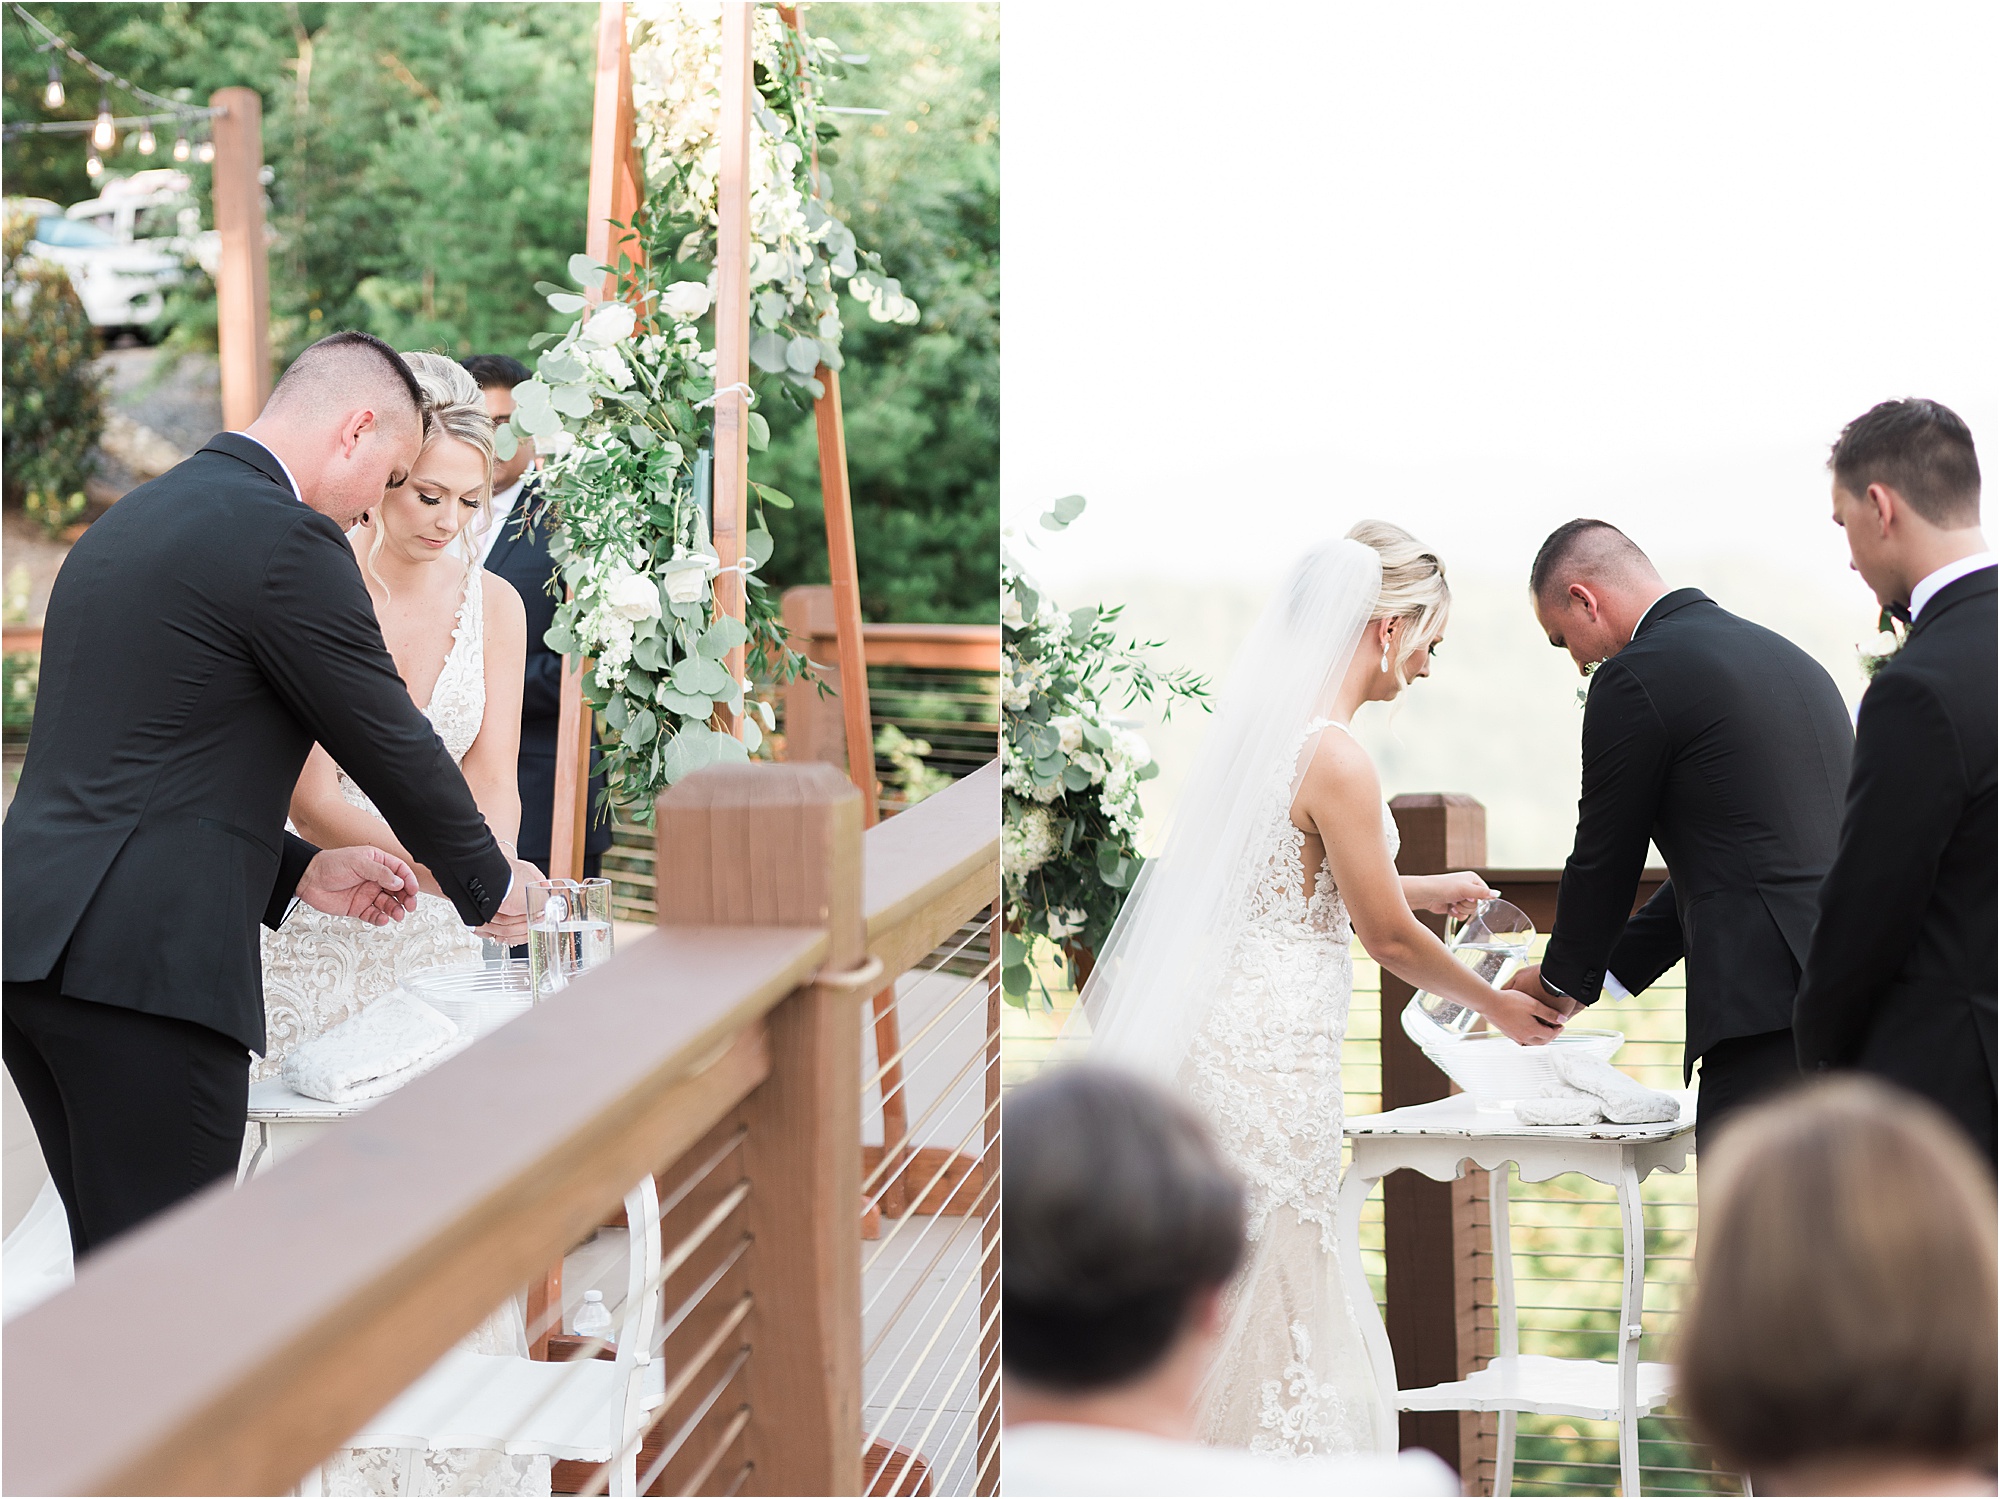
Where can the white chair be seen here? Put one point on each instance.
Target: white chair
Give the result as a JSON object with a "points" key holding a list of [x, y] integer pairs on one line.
{"points": [[588, 1411]]}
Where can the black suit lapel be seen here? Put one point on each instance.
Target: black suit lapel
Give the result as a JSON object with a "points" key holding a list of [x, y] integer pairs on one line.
{"points": [[513, 530]]}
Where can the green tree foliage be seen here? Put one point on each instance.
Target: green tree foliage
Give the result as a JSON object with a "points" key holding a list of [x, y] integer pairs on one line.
{"points": [[430, 163], [922, 404], [54, 407]]}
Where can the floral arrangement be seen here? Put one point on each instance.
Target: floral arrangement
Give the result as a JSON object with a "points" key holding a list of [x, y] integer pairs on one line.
{"points": [[621, 403], [1070, 773]]}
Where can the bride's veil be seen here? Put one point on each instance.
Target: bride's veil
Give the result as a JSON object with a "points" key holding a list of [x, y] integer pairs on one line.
{"points": [[1160, 968]]}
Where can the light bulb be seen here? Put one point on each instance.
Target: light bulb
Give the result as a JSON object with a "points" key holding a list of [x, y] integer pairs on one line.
{"points": [[147, 143], [53, 95], [181, 150], [104, 134], [93, 163], [205, 152]]}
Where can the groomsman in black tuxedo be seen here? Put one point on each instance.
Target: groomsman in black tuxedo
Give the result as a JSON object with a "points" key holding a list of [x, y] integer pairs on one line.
{"points": [[1728, 747], [200, 638], [517, 548], [1900, 980]]}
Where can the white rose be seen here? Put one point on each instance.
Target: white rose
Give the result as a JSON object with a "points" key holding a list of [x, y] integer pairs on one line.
{"points": [[611, 367], [684, 301], [632, 596], [611, 323], [687, 575], [1070, 727], [1010, 610]]}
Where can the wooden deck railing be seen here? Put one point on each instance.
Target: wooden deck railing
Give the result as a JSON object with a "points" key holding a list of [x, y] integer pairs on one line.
{"points": [[230, 1345]]}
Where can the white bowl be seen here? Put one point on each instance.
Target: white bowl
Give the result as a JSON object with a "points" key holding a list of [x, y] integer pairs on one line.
{"points": [[1497, 1072], [477, 1000]]}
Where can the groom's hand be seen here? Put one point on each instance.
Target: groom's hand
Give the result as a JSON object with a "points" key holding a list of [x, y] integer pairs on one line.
{"points": [[510, 922], [362, 882], [1529, 982]]}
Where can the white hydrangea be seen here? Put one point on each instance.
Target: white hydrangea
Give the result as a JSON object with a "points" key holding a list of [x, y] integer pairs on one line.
{"points": [[1027, 843]]}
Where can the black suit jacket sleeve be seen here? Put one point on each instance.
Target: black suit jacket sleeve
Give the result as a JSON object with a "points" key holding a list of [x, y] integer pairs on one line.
{"points": [[291, 869], [1652, 942], [1904, 798], [1625, 761], [317, 642]]}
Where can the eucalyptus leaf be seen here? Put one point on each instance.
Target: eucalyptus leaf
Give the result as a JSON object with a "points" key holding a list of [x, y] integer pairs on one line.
{"points": [[567, 303], [1147, 771], [642, 436], [650, 652], [573, 400], [712, 677], [758, 545], [802, 354], [1015, 980], [560, 640], [1096, 737], [759, 431], [722, 637], [772, 496], [771, 308], [1068, 508], [687, 752], [642, 728], [688, 677], [753, 736], [726, 749], [687, 705], [1082, 622], [586, 270], [561, 369], [767, 352], [505, 443], [1013, 949], [618, 713], [1076, 778]]}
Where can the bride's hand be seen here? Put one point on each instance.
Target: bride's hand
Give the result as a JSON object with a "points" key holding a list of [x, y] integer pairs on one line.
{"points": [[1455, 895], [1521, 1017]]}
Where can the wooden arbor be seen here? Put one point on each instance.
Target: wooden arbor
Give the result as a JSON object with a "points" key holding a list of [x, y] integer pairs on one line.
{"points": [[615, 194]]}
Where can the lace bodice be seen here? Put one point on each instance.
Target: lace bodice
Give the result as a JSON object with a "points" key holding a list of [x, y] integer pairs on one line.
{"points": [[458, 701]]}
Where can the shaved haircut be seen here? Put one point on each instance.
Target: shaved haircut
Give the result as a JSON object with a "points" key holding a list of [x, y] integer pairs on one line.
{"points": [[344, 370], [1587, 549]]}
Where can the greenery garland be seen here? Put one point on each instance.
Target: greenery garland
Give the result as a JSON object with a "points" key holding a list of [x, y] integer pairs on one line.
{"points": [[1070, 774], [621, 403]]}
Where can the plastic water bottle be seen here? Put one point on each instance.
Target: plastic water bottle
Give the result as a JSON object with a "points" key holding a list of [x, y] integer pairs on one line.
{"points": [[593, 1318]]}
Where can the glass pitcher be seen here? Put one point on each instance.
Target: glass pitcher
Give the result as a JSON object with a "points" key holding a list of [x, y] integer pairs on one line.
{"points": [[1494, 944]]}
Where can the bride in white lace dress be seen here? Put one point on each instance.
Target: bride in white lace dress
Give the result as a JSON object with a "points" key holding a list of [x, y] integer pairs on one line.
{"points": [[458, 635], [1229, 973]]}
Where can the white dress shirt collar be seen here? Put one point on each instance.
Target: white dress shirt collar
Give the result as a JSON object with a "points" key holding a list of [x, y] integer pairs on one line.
{"points": [[500, 510], [1950, 573], [297, 493]]}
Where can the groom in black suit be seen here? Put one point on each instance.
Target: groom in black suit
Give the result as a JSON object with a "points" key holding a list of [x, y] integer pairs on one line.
{"points": [[1900, 980], [1727, 746], [517, 548], [200, 638]]}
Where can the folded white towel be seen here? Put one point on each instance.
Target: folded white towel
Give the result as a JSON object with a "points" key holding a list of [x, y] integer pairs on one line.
{"points": [[1624, 1101], [1560, 1108], [375, 1052]]}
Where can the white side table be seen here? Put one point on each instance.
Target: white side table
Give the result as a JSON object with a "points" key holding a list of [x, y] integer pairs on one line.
{"points": [[1438, 1139], [287, 1122]]}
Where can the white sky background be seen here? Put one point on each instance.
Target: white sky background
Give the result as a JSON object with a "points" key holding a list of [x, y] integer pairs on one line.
{"points": [[1478, 269]]}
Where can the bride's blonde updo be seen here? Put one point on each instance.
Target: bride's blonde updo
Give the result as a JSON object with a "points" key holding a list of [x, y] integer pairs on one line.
{"points": [[1413, 585]]}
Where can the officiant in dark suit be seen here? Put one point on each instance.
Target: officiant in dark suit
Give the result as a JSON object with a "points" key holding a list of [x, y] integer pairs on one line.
{"points": [[1728, 747], [200, 638], [517, 548], [1900, 980]]}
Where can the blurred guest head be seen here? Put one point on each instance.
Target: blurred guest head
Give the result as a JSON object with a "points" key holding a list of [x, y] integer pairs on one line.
{"points": [[1123, 1224], [1906, 492], [1841, 1338], [497, 375], [1590, 586]]}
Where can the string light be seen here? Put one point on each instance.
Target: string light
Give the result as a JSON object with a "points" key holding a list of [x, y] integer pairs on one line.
{"points": [[105, 135], [181, 151], [205, 152], [93, 163], [53, 95], [148, 143]]}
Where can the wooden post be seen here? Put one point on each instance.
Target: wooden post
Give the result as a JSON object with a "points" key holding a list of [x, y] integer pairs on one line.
{"points": [[1429, 1227], [732, 320], [780, 845], [242, 280], [843, 568]]}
